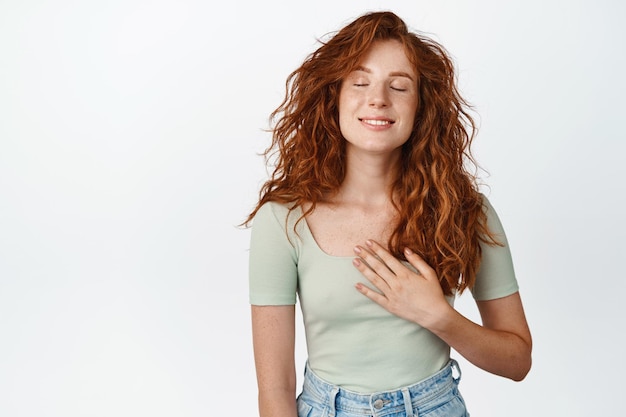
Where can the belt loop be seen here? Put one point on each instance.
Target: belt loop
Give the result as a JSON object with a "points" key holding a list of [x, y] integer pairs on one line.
{"points": [[455, 365], [331, 401], [407, 403]]}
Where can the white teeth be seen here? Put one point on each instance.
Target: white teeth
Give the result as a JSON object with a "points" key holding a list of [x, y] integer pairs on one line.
{"points": [[376, 122]]}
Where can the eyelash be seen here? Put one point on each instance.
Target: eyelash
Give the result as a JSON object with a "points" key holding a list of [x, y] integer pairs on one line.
{"points": [[393, 88]]}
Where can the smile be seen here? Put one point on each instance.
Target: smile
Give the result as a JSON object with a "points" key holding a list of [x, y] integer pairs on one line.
{"points": [[377, 122]]}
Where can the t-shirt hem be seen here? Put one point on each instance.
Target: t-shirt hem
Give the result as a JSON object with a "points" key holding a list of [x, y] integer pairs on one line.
{"points": [[261, 301], [495, 294]]}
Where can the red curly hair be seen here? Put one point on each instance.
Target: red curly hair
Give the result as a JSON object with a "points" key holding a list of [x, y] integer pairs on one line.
{"points": [[437, 198]]}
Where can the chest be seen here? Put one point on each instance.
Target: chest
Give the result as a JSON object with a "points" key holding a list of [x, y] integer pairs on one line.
{"points": [[338, 231]]}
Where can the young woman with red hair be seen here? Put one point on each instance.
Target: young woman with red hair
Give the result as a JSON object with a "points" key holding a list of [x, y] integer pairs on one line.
{"points": [[373, 221]]}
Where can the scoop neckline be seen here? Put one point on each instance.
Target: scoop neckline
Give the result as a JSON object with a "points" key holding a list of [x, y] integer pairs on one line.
{"points": [[317, 246]]}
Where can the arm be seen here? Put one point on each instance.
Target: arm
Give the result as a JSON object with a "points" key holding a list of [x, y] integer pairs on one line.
{"points": [[273, 276], [502, 345], [273, 335]]}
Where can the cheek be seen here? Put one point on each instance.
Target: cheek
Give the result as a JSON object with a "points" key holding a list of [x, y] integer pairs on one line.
{"points": [[345, 98], [344, 109], [344, 123], [411, 110]]}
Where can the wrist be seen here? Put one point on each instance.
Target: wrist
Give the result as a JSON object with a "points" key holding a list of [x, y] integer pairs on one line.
{"points": [[440, 319]]}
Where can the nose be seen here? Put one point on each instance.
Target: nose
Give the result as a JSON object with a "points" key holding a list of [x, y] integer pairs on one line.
{"points": [[378, 97]]}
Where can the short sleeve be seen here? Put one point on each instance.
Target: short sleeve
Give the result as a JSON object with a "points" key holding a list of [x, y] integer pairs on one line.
{"points": [[496, 276], [273, 274]]}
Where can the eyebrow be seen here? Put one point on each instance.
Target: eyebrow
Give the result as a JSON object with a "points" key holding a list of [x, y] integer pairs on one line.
{"points": [[392, 74]]}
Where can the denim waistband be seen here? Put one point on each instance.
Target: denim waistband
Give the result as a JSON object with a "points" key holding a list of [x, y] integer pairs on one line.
{"points": [[420, 395]]}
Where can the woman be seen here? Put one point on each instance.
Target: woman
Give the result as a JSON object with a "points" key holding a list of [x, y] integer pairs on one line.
{"points": [[371, 218]]}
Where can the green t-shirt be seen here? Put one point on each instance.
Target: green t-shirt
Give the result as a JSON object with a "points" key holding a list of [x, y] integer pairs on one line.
{"points": [[352, 341]]}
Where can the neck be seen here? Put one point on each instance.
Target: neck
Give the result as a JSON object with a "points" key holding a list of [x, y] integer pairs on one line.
{"points": [[369, 178]]}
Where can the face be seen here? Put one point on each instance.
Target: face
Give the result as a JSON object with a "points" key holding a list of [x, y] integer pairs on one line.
{"points": [[378, 100]]}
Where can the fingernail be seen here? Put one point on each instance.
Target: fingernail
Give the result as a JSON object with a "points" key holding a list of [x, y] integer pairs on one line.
{"points": [[408, 251], [368, 242], [357, 249], [356, 262]]}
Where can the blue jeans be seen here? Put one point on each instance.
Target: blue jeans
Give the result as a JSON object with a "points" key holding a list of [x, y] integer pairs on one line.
{"points": [[436, 396]]}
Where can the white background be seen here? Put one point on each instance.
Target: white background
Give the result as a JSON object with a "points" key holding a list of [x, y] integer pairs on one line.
{"points": [[129, 141]]}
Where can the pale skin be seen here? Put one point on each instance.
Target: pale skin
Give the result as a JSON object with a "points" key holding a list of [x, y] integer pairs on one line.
{"points": [[353, 222]]}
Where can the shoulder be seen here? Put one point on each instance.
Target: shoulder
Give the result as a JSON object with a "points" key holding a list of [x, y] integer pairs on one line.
{"points": [[278, 220], [269, 229], [272, 211], [487, 206], [493, 221], [496, 276]]}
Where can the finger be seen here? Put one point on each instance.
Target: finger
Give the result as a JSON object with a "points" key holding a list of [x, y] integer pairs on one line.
{"points": [[420, 264], [372, 295], [390, 261], [374, 262], [372, 276]]}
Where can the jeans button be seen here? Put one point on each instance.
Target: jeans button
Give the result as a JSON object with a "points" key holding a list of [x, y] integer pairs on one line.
{"points": [[378, 404]]}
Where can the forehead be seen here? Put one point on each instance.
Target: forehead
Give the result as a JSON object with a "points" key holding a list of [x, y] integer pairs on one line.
{"points": [[386, 56]]}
